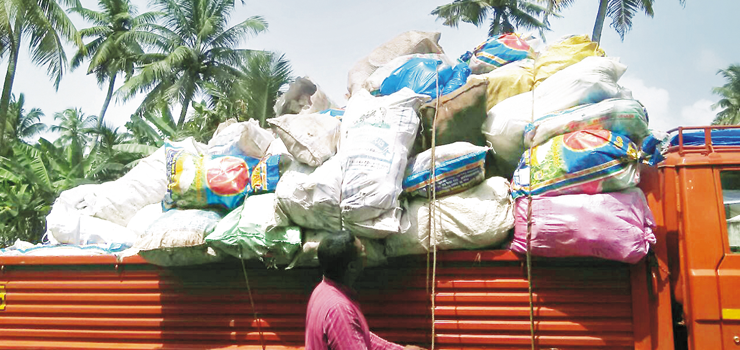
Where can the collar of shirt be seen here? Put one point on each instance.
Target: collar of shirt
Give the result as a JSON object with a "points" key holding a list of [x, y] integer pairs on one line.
{"points": [[347, 291]]}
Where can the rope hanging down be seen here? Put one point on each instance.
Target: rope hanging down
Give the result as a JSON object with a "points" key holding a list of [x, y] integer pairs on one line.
{"points": [[432, 242], [251, 301]]}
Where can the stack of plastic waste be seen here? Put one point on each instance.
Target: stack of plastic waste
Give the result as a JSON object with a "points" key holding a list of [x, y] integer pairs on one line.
{"points": [[552, 120]]}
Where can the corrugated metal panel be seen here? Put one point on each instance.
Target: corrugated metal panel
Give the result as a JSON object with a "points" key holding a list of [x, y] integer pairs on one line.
{"points": [[481, 302]]}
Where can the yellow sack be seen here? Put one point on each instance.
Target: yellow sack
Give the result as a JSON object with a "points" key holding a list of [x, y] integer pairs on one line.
{"points": [[510, 80], [563, 54]]}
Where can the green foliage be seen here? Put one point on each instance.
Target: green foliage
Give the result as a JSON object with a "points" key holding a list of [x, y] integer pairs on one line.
{"points": [[197, 50], [22, 125], [506, 15], [730, 93]]}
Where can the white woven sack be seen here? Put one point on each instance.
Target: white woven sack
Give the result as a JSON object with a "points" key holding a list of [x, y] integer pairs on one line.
{"points": [[377, 133], [479, 217], [310, 138]]}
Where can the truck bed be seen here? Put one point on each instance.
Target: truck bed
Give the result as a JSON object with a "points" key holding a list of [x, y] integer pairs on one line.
{"points": [[481, 302]]}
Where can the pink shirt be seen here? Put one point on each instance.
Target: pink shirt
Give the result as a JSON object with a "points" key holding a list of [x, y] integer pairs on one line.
{"points": [[334, 321]]}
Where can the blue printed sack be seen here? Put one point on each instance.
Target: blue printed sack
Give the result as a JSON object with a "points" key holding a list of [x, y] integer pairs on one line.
{"points": [[458, 166], [587, 161]]}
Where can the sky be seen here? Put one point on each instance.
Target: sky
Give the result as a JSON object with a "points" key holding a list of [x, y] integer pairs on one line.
{"points": [[672, 58]]}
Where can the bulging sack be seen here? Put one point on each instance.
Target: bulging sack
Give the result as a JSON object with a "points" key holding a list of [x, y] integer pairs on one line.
{"points": [[622, 116], [375, 80], [459, 116], [407, 43], [310, 197], [590, 81], [587, 161], [479, 217], [564, 53], [614, 226], [310, 138], [257, 229], [508, 81], [499, 51], [458, 166], [177, 238], [377, 133], [425, 76], [245, 138], [302, 97], [201, 181]]}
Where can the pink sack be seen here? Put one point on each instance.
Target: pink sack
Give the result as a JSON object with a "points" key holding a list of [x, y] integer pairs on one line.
{"points": [[615, 226]]}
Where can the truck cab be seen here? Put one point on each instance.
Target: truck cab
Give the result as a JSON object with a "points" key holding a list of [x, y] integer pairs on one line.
{"points": [[683, 295]]}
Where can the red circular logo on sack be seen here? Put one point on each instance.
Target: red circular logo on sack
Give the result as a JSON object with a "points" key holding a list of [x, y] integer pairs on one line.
{"points": [[585, 140], [227, 176], [514, 42]]}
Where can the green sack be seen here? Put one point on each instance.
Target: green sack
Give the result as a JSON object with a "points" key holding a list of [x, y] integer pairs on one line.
{"points": [[257, 229]]}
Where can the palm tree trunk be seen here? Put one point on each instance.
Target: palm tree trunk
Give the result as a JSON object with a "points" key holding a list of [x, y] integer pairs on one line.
{"points": [[8, 84], [599, 25], [496, 25], [111, 84], [183, 112]]}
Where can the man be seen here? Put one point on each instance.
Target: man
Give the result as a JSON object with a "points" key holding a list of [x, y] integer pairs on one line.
{"points": [[334, 319]]}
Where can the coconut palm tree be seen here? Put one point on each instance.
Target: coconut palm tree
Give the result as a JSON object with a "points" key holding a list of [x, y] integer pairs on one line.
{"points": [[46, 26], [21, 124], [111, 52], [506, 15], [730, 93], [196, 48], [73, 134], [264, 74]]}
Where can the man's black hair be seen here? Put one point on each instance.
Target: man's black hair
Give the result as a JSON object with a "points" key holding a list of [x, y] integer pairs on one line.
{"points": [[335, 252]]}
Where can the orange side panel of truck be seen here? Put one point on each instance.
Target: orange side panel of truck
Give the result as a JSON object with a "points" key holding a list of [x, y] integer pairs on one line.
{"points": [[481, 301]]}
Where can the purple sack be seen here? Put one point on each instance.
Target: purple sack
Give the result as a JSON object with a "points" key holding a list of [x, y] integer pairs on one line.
{"points": [[614, 226]]}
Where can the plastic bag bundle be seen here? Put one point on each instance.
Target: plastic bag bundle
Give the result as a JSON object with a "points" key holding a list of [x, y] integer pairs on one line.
{"points": [[587, 161], [590, 81], [614, 226], [310, 138], [622, 116], [564, 53], [200, 181], [177, 238], [257, 229], [458, 166], [411, 42], [245, 138], [499, 51], [375, 80], [459, 116], [479, 217], [377, 133], [424, 75]]}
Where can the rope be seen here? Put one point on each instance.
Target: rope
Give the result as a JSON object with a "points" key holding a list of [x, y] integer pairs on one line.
{"points": [[529, 222], [433, 213], [251, 301]]}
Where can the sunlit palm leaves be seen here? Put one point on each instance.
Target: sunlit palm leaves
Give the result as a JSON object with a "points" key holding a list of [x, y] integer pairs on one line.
{"points": [[506, 15], [45, 25], [730, 93], [196, 48]]}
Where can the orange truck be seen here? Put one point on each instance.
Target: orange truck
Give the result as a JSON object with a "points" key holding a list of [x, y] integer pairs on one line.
{"points": [[685, 294]]}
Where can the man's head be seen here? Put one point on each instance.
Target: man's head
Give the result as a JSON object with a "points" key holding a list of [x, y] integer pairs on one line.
{"points": [[341, 256]]}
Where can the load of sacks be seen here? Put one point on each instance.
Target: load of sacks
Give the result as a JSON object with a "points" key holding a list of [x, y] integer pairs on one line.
{"points": [[511, 121]]}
